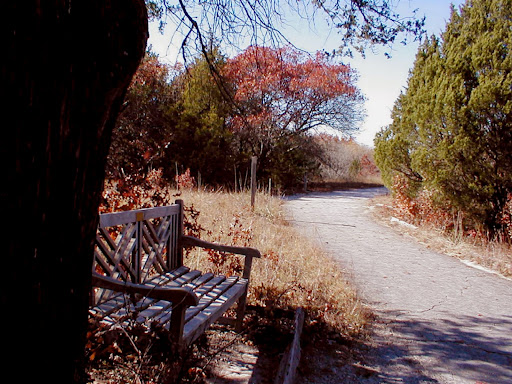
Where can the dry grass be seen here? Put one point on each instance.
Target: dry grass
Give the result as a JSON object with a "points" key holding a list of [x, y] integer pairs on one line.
{"points": [[495, 256], [292, 272]]}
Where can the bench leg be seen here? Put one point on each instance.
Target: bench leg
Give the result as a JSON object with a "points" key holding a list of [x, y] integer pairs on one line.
{"points": [[240, 312], [177, 324]]}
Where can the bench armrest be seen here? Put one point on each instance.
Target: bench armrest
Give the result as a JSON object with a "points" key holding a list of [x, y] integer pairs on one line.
{"points": [[190, 241], [249, 253], [177, 295]]}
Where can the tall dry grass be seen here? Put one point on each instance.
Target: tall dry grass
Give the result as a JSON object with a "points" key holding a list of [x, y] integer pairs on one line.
{"points": [[292, 272]]}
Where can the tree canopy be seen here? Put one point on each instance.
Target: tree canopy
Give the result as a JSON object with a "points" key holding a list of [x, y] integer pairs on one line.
{"points": [[284, 91], [266, 105]]}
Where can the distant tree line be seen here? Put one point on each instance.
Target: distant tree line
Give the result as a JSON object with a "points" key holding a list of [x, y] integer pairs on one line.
{"points": [[212, 115], [451, 134]]}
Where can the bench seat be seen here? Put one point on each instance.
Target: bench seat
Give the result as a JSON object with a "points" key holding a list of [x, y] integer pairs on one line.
{"points": [[213, 294]]}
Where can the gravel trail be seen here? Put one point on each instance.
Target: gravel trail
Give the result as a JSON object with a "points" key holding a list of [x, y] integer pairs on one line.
{"points": [[438, 320]]}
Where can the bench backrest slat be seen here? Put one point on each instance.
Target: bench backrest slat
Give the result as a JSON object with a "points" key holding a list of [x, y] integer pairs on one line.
{"points": [[120, 218], [135, 245]]}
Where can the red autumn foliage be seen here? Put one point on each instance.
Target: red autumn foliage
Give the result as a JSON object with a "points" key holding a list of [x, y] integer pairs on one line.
{"points": [[284, 89], [423, 208], [185, 180], [135, 192], [368, 166]]}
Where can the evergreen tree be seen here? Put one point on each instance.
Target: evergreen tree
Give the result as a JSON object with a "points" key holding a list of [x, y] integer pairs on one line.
{"points": [[200, 140], [453, 127]]}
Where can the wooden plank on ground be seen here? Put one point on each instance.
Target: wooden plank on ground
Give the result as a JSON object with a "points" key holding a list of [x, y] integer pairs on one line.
{"points": [[288, 368]]}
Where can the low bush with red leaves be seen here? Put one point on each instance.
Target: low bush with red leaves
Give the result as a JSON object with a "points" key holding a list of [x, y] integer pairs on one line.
{"points": [[422, 208]]}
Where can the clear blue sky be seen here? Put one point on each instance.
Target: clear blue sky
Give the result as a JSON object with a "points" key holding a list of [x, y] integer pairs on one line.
{"points": [[380, 79]]}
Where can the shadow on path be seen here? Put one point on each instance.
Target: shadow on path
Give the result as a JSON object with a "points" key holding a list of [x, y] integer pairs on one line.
{"points": [[452, 349]]}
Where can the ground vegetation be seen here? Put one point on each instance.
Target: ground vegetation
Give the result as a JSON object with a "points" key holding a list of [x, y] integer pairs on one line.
{"points": [[287, 276]]}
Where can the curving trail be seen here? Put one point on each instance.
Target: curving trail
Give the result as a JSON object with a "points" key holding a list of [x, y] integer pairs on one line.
{"points": [[438, 320]]}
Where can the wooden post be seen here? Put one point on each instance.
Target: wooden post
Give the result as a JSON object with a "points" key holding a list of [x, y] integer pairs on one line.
{"points": [[254, 162], [181, 218], [235, 178]]}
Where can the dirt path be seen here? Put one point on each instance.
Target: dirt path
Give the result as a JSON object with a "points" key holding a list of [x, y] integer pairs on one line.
{"points": [[438, 320]]}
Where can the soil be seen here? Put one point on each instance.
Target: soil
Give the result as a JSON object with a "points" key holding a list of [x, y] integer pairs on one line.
{"points": [[138, 354]]}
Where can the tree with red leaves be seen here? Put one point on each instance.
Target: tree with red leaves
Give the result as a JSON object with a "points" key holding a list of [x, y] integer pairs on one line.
{"points": [[282, 93]]}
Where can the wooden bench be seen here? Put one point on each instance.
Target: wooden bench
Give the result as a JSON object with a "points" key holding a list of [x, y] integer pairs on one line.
{"points": [[138, 273]]}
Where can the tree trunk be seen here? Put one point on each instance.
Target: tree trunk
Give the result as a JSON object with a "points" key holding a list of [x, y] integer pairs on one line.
{"points": [[64, 72]]}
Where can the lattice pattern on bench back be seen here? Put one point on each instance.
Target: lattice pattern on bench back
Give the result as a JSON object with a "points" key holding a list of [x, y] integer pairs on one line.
{"points": [[135, 245]]}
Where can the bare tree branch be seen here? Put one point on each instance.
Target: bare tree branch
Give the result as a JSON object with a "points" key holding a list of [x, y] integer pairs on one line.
{"points": [[360, 24]]}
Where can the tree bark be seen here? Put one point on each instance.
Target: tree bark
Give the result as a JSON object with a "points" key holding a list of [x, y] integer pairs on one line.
{"points": [[65, 70]]}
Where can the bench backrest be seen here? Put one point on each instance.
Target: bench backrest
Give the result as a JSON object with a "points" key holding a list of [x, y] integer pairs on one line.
{"points": [[135, 245]]}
